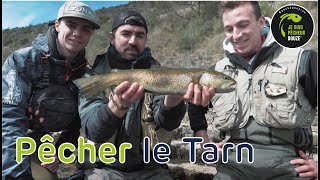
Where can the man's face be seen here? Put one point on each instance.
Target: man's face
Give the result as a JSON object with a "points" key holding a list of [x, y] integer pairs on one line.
{"points": [[73, 34], [242, 29], [129, 40]]}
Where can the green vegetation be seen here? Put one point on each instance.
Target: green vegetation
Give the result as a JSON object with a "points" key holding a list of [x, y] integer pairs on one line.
{"points": [[181, 33]]}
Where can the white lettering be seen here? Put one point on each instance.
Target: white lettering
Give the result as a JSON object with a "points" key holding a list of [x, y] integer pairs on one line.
{"points": [[80, 9], [294, 38]]}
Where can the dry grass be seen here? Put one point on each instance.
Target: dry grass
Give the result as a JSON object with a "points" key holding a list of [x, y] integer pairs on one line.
{"points": [[168, 22]]}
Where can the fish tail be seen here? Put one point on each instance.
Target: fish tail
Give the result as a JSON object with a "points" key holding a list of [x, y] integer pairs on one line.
{"points": [[90, 87]]}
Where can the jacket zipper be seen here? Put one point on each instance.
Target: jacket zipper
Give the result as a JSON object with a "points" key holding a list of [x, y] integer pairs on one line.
{"points": [[250, 90]]}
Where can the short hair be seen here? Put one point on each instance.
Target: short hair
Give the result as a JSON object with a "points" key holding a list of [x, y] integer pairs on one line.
{"points": [[229, 5]]}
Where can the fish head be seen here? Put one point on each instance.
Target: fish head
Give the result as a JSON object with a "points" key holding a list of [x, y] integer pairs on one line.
{"points": [[294, 17], [220, 82]]}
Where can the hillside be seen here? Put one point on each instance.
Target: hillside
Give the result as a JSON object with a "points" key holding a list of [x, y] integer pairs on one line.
{"points": [[182, 33]]}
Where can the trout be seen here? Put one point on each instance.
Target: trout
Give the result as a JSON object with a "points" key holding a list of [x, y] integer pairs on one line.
{"points": [[157, 80]]}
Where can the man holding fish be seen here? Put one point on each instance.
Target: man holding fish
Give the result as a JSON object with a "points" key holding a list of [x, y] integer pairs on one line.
{"points": [[273, 105], [136, 100]]}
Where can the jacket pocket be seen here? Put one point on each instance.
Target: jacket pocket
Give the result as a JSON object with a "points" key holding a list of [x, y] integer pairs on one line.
{"points": [[57, 113], [58, 107], [280, 115], [225, 110]]}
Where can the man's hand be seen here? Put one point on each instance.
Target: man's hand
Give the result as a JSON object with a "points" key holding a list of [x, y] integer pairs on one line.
{"points": [[308, 168], [128, 93], [124, 95], [52, 167], [194, 95]]}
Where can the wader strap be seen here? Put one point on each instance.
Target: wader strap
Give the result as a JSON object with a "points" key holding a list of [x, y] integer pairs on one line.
{"points": [[45, 81]]}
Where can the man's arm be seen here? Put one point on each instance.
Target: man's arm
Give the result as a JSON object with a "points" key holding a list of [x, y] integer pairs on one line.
{"points": [[197, 117], [169, 109], [168, 118], [16, 90], [308, 69], [97, 119]]}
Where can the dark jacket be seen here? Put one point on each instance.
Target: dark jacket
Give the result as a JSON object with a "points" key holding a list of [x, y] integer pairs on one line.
{"points": [[22, 71], [100, 124]]}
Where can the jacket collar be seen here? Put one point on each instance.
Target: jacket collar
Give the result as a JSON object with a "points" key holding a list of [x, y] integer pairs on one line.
{"points": [[117, 62], [46, 44], [260, 56]]}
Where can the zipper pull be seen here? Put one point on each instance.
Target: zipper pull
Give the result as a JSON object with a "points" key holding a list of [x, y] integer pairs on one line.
{"points": [[275, 65], [67, 71], [260, 84], [250, 81], [133, 64]]}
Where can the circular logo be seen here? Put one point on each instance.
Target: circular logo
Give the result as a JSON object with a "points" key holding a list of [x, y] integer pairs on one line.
{"points": [[292, 26]]}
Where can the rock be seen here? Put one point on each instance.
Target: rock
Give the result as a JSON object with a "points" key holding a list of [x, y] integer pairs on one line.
{"points": [[184, 170]]}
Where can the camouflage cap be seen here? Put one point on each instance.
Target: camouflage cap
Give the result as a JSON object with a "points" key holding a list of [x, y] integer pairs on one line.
{"points": [[129, 17], [79, 10]]}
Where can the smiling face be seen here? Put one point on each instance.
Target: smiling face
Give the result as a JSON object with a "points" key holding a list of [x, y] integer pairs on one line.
{"points": [[73, 35], [129, 40], [242, 29]]}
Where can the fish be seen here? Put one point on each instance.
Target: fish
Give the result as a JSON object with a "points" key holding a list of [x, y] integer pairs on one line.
{"points": [[158, 80], [289, 16]]}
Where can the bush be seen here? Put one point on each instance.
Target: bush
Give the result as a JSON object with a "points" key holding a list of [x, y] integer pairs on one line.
{"points": [[186, 38]]}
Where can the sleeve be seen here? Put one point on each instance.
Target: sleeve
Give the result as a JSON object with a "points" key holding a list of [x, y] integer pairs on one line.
{"points": [[308, 69], [16, 90], [197, 117], [97, 120], [168, 118]]}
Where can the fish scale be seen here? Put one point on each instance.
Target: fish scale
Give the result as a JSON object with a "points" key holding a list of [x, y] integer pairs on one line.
{"points": [[159, 80]]}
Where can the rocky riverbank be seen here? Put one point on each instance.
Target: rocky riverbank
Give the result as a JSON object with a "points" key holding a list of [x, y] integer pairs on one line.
{"points": [[179, 165]]}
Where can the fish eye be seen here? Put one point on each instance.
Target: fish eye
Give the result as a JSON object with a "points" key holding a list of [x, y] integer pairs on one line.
{"points": [[225, 77]]}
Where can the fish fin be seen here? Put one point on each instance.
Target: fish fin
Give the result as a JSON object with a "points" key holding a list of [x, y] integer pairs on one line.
{"points": [[90, 87]]}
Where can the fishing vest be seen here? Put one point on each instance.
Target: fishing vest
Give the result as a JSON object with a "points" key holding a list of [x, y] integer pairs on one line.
{"points": [[57, 102], [272, 95]]}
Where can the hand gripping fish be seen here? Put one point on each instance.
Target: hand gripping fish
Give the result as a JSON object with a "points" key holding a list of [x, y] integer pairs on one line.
{"points": [[158, 80]]}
